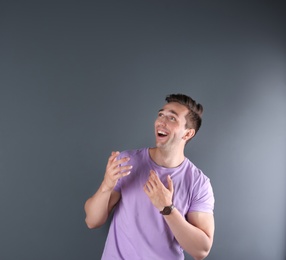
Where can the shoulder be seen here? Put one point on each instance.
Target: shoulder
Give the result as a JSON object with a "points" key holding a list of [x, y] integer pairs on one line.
{"points": [[133, 152], [195, 173]]}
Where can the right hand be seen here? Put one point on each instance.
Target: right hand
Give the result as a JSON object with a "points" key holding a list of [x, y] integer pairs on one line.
{"points": [[114, 171]]}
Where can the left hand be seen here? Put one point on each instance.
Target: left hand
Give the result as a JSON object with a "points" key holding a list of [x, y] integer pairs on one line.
{"points": [[159, 195]]}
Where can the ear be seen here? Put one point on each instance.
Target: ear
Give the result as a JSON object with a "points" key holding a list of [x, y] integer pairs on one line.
{"points": [[190, 133]]}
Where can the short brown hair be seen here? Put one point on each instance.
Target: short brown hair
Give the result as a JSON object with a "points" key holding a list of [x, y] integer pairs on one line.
{"points": [[194, 117]]}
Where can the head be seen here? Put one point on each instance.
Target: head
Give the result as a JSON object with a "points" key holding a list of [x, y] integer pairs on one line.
{"points": [[194, 116], [177, 122]]}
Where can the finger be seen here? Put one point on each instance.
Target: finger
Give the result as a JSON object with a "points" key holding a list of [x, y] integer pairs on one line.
{"points": [[170, 184], [121, 171], [115, 175], [153, 176], [122, 160], [113, 156], [152, 182], [149, 186], [114, 163], [146, 190], [114, 166], [125, 170], [115, 153], [120, 175]]}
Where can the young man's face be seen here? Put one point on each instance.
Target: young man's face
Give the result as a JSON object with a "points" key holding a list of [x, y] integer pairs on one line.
{"points": [[170, 125]]}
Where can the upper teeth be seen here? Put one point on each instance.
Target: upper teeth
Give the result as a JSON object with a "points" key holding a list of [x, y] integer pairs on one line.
{"points": [[161, 132]]}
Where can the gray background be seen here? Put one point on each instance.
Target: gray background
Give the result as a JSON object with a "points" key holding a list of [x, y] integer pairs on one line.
{"points": [[82, 78]]}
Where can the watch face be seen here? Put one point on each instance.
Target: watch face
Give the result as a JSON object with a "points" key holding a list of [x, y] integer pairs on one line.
{"points": [[167, 210]]}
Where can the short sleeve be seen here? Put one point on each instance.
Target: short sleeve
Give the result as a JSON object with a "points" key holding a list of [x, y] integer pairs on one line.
{"points": [[118, 186], [203, 197]]}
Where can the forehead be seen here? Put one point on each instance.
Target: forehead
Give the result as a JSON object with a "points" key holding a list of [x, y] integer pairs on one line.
{"points": [[175, 108]]}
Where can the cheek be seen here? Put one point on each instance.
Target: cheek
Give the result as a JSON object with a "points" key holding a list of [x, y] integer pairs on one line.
{"points": [[180, 132]]}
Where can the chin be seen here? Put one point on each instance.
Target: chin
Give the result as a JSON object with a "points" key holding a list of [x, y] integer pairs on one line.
{"points": [[160, 145]]}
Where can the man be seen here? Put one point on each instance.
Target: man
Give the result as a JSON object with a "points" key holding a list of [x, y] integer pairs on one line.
{"points": [[163, 204]]}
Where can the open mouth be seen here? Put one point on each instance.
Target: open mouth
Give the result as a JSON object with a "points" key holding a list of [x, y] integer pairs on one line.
{"points": [[161, 133]]}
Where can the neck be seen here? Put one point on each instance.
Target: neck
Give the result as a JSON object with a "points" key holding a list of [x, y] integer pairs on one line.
{"points": [[168, 159]]}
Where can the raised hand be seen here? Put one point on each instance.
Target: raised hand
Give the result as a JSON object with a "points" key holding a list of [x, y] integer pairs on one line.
{"points": [[159, 195], [114, 171]]}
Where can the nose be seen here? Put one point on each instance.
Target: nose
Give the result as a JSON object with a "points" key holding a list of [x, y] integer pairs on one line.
{"points": [[162, 120]]}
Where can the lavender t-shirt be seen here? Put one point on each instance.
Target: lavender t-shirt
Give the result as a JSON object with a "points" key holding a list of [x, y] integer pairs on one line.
{"points": [[138, 230]]}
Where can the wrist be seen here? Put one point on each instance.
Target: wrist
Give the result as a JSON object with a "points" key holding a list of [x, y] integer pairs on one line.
{"points": [[167, 210], [105, 188]]}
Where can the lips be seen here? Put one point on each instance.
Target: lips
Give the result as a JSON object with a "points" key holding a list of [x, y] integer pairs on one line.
{"points": [[161, 133]]}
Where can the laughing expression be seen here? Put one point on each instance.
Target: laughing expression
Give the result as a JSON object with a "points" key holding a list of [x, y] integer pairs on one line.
{"points": [[170, 125]]}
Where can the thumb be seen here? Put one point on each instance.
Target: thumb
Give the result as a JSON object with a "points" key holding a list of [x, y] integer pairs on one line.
{"points": [[170, 184]]}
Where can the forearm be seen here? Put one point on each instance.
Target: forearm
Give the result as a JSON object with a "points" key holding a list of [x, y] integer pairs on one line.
{"points": [[192, 239], [97, 208]]}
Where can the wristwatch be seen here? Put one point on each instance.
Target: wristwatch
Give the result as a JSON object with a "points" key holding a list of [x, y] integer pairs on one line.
{"points": [[167, 210]]}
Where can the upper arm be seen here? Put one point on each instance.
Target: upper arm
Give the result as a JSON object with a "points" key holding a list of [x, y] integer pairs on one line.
{"points": [[203, 221], [114, 198]]}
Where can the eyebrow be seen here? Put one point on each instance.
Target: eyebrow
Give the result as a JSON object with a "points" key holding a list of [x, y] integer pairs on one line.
{"points": [[171, 111]]}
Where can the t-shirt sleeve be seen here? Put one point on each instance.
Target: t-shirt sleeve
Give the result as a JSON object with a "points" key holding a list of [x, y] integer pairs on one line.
{"points": [[118, 186], [203, 197]]}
